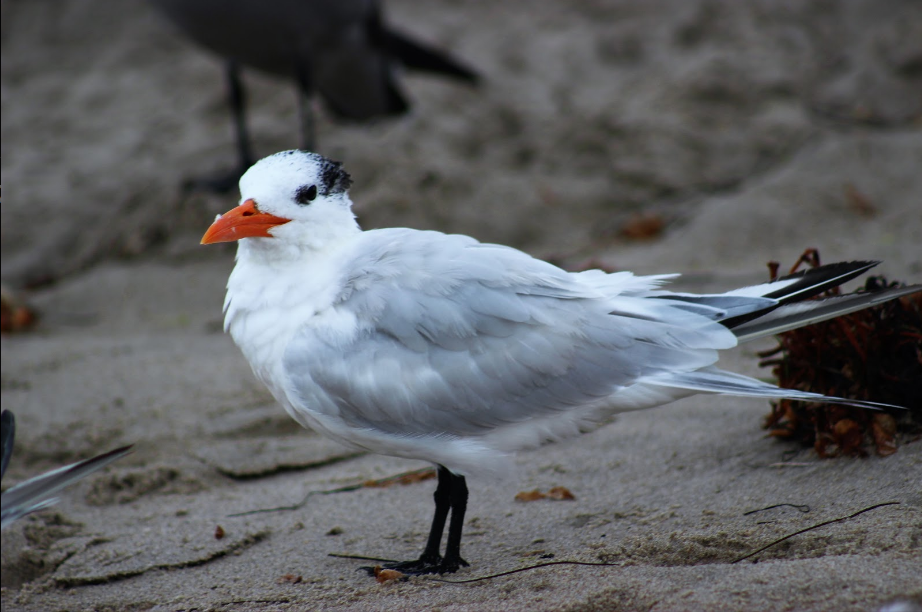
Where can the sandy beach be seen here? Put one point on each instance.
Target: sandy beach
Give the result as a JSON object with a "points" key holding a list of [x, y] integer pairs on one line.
{"points": [[751, 131]]}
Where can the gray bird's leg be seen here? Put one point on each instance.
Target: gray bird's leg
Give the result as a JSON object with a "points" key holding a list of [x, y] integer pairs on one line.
{"points": [[224, 181], [305, 111]]}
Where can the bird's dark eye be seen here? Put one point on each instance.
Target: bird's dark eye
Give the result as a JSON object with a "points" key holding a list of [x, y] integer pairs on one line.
{"points": [[306, 194]]}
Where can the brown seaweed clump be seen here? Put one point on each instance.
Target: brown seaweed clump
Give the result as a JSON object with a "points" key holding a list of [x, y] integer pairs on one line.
{"points": [[874, 355]]}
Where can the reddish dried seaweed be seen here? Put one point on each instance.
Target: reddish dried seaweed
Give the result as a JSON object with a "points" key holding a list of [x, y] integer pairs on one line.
{"points": [[874, 354], [387, 575], [15, 314], [644, 226], [405, 478], [554, 494]]}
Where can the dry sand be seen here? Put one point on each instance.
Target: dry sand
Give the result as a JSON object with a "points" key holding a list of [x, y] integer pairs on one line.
{"points": [[744, 125]]}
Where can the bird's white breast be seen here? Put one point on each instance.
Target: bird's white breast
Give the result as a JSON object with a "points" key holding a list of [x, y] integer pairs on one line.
{"points": [[267, 306]]}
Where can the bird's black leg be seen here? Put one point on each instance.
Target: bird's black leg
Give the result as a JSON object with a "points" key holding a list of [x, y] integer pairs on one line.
{"points": [[450, 495], [442, 497], [305, 112], [452, 560], [227, 180]]}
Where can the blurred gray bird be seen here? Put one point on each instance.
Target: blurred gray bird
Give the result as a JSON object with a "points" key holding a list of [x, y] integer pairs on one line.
{"points": [[39, 492], [339, 49]]}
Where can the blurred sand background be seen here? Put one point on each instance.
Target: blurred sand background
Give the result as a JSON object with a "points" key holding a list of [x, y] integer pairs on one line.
{"points": [[751, 129]]}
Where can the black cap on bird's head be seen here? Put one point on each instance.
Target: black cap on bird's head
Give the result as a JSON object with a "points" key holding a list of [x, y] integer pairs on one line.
{"points": [[333, 178]]}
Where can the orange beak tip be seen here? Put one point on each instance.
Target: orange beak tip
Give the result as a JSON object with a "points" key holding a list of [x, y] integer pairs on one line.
{"points": [[245, 221]]}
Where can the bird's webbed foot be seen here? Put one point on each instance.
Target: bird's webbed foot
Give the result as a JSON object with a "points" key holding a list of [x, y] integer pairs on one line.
{"points": [[426, 564]]}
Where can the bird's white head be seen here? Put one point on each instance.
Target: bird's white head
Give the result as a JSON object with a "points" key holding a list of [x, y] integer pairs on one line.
{"points": [[293, 198]]}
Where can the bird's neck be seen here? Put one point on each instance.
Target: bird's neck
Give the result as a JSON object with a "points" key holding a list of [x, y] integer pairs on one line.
{"points": [[287, 249], [274, 289]]}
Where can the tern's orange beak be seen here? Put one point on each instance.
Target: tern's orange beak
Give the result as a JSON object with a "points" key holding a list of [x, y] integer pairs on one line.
{"points": [[245, 221]]}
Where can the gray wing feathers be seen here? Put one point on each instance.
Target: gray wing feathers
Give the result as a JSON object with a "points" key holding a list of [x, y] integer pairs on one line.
{"points": [[450, 337], [438, 353], [715, 380]]}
